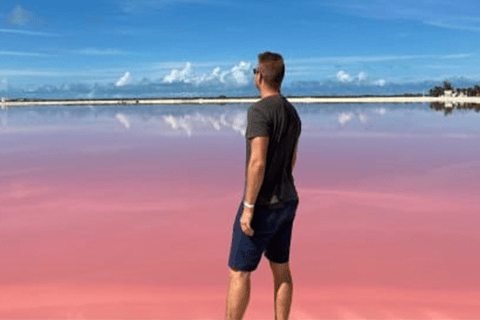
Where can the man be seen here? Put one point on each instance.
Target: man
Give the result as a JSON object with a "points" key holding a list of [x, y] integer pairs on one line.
{"points": [[264, 221]]}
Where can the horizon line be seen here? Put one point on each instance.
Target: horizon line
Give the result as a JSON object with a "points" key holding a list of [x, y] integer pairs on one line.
{"points": [[237, 100]]}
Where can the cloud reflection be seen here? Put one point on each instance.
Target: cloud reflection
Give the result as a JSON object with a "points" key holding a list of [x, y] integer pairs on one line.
{"points": [[335, 120], [123, 120], [186, 123]]}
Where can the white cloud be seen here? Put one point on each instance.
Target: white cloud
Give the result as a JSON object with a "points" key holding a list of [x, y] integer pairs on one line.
{"points": [[238, 75], [100, 52], [97, 73], [142, 6], [29, 73], [357, 59], [4, 84], [420, 10], [169, 65], [19, 16], [362, 76], [23, 54], [342, 76], [460, 25], [184, 75], [124, 80], [455, 56], [444, 14], [29, 33]]}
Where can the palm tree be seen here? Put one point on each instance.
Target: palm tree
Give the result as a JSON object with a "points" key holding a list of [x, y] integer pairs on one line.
{"points": [[447, 85], [476, 90], [436, 91]]}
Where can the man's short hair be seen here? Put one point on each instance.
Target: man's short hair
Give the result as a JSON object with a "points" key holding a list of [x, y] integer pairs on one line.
{"points": [[272, 69]]}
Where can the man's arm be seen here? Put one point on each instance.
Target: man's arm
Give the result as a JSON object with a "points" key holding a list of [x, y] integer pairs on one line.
{"points": [[256, 167], [294, 159], [255, 174]]}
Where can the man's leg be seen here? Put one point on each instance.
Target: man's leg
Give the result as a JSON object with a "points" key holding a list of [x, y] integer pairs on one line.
{"points": [[283, 289], [238, 294], [245, 255]]}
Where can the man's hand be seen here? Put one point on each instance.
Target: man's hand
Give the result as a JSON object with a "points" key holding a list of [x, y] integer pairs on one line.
{"points": [[245, 221]]}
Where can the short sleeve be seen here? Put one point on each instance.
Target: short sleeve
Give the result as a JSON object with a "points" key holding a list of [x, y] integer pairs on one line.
{"points": [[258, 124]]}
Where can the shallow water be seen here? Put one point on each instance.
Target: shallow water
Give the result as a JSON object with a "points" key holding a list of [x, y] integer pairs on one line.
{"points": [[126, 212]]}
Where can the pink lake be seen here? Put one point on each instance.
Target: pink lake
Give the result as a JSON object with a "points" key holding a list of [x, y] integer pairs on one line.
{"points": [[124, 213]]}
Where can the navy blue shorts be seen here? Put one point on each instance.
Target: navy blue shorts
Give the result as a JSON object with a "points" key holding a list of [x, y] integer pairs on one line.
{"points": [[272, 235]]}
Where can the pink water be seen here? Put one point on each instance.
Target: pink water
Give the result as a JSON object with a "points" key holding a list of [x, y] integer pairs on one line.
{"points": [[135, 225]]}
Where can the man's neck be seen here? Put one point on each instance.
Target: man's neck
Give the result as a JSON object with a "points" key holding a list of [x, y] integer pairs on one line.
{"points": [[269, 93]]}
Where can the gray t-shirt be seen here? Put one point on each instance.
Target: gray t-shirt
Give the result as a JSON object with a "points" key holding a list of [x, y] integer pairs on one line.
{"points": [[276, 118]]}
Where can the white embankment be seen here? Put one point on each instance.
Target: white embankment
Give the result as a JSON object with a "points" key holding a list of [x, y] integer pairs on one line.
{"points": [[159, 101]]}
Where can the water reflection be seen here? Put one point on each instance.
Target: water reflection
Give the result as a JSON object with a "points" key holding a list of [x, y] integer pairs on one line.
{"points": [[415, 119], [390, 189], [450, 106]]}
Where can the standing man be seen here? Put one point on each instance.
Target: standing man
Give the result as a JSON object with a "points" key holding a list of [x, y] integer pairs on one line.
{"points": [[264, 221]]}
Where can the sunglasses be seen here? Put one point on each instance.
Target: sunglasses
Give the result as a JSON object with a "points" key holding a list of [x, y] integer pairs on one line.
{"points": [[255, 71]]}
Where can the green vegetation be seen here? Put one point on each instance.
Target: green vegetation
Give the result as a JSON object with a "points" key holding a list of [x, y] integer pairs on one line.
{"points": [[440, 90]]}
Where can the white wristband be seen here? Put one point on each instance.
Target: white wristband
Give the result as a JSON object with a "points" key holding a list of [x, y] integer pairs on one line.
{"points": [[248, 205]]}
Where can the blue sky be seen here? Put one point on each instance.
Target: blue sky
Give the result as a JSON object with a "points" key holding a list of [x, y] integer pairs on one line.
{"points": [[374, 41]]}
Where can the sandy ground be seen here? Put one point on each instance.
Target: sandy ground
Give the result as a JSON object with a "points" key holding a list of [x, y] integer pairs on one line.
{"points": [[326, 100]]}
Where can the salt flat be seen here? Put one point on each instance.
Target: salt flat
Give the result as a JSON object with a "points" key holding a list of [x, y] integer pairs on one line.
{"points": [[176, 101]]}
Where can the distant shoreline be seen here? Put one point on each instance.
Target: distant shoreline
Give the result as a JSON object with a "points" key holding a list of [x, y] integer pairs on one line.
{"points": [[236, 100]]}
